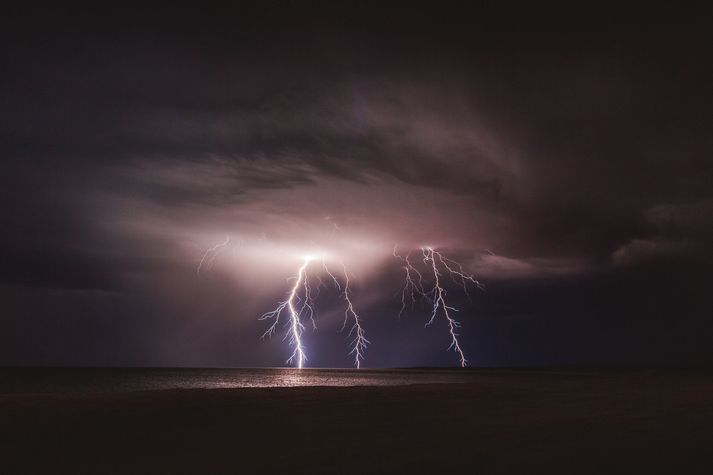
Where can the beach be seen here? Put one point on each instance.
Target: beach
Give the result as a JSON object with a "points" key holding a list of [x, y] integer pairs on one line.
{"points": [[497, 422]]}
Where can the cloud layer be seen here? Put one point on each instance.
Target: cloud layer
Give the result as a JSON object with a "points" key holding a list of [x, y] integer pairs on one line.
{"points": [[532, 158]]}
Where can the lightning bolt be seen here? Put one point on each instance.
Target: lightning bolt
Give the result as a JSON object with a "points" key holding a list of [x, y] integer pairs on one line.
{"points": [[457, 275], [210, 255], [439, 294], [296, 327], [299, 308], [329, 273], [359, 341], [413, 287]]}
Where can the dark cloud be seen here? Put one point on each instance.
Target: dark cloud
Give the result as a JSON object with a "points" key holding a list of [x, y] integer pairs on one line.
{"points": [[538, 147]]}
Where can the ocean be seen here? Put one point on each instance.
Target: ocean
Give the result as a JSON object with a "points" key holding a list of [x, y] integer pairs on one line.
{"points": [[82, 380]]}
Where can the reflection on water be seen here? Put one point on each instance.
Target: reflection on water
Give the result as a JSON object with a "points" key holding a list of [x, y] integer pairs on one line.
{"points": [[44, 380]]}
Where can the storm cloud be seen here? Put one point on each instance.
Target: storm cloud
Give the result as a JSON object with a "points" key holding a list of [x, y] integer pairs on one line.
{"points": [[552, 157]]}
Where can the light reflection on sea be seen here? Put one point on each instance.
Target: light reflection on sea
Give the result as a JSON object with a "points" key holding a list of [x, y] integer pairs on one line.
{"points": [[63, 380]]}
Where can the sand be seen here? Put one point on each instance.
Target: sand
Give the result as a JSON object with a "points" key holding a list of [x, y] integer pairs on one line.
{"points": [[501, 422]]}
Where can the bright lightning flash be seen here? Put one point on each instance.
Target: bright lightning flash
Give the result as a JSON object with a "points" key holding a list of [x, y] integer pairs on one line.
{"points": [[359, 341], [413, 286], [413, 282], [295, 324], [299, 307]]}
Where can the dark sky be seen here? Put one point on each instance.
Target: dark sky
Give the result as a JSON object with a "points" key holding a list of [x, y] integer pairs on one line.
{"points": [[564, 157]]}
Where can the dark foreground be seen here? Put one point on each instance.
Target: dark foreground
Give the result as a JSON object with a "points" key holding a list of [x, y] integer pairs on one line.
{"points": [[501, 422]]}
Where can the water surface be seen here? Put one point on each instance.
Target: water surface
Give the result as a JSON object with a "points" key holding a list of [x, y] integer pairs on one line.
{"points": [[63, 380]]}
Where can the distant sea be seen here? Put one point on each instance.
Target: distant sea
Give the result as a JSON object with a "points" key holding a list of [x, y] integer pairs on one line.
{"points": [[82, 380]]}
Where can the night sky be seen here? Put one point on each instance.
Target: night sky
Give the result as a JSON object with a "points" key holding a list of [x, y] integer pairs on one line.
{"points": [[564, 157]]}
